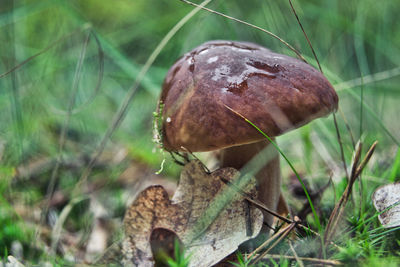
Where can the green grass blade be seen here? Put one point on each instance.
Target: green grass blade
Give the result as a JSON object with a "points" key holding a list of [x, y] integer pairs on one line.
{"points": [[288, 162]]}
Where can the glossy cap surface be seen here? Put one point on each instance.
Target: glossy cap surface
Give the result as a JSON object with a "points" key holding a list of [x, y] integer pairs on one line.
{"points": [[275, 92]]}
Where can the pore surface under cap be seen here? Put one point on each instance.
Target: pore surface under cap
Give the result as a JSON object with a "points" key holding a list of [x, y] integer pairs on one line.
{"points": [[274, 91]]}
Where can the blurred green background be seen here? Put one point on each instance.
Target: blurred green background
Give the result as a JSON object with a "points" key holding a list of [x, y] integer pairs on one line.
{"points": [[357, 43]]}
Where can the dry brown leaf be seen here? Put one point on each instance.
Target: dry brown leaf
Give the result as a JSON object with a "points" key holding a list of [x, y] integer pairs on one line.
{"points": [[190, 215], [386, 200]]}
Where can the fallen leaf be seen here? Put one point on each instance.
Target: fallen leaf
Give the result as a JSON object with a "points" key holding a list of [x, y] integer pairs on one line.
{"points": [[387, 198], [209, 217]]}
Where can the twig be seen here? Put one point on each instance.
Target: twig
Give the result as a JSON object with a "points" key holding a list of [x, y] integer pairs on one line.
{"points": [[268, 241], [356, 161], [313, 260], [366, 159], [299, 261], [255, 202], [356, 158], [261, 206], [338, 210], [294, 223], [287, 230]]}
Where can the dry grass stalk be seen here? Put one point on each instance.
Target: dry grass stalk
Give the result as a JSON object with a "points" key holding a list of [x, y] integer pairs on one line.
{"points": [[283, 233], [268, 241], [356, 171], [261, 206], [299, 261], [311, 260], [250, 25]]}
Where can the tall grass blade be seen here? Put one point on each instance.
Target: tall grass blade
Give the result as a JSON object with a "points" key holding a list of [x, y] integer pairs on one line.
{"points": [[305, 35], [55, 43], [120, 114], [250, 25], [10, 59], [334, 115]]}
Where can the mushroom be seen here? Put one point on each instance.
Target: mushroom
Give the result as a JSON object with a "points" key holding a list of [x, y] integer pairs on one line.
{"points": [[275, 92]]}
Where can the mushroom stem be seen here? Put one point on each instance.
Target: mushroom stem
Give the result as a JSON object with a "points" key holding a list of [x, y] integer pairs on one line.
{"points": [[268, 177]]}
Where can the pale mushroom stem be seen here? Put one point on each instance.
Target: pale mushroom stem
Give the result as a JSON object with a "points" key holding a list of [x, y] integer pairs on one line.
{"points": [[268, 178]]}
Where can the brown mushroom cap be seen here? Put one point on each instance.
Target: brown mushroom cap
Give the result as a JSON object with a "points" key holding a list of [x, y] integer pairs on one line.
{"points": [[275, 92]]}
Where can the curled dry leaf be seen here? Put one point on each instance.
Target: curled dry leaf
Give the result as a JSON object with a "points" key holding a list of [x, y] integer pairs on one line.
{"points": [[387, 200], [186, 214]]}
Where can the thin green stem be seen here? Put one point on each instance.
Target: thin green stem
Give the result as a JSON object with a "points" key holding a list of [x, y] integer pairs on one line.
{"points": [[289, 163]]}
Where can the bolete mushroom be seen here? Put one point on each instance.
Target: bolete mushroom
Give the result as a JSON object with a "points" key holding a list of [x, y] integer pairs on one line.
{"points": [[275, 92]]}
